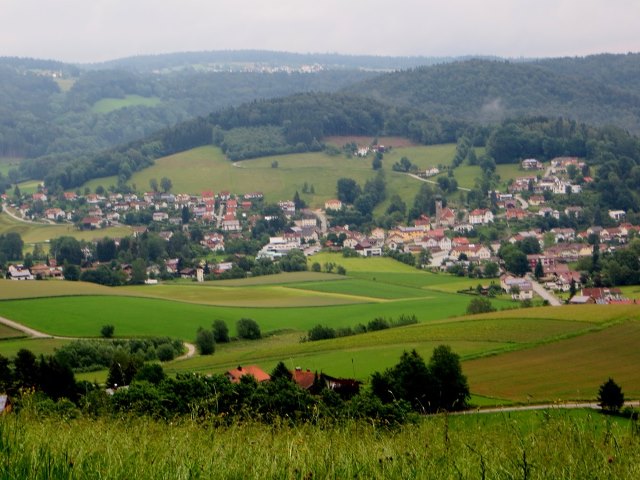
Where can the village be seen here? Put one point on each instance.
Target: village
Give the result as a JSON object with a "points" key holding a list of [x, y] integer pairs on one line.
{"points": [[445, 241]]}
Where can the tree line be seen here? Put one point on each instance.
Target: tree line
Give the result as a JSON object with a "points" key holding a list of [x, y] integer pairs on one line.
{"points": [[410, 387]]}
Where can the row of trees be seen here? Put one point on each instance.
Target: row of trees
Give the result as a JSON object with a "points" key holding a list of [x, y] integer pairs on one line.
{"points": [[206, 339]]}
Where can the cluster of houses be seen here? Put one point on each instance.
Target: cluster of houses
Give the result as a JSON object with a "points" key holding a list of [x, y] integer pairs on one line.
{"points": [[229, 216]]}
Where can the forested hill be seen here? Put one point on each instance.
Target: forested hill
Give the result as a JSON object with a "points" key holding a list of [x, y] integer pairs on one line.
{"points": [[244, 60], [622, 71], [489, 91], [48, 108]]}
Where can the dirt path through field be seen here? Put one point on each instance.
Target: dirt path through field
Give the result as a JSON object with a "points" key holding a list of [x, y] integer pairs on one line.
{"points": [[191, 348]]}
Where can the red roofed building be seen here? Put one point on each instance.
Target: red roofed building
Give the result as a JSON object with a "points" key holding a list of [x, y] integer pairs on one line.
{"points": [[237, 373], [303, 378]]}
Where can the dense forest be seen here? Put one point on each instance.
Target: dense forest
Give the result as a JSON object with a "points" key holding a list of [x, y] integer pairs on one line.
{"points": [[490, 91], [38, 117]]}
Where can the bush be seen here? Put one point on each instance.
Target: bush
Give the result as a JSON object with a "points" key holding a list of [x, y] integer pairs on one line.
{"points": [[610, 396], [165, 353], [220, 331], [480, 305], [320, 332], [205, 342], [378, 323], [248, 329], [107, 331]]}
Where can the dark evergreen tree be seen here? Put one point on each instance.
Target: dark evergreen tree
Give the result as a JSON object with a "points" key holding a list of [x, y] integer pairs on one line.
{"points": [[610, 396]]}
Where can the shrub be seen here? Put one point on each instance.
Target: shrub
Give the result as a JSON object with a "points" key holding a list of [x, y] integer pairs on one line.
{"points": [[610, 396], [165, 353], [220, 331], [378, 323], [151, 372], [320, 332], [205, 342], [248, 329], [480, 305], [107, 331]]}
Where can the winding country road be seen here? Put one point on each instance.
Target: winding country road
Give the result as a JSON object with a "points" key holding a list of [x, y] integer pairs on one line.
{"points": [[191, 348]]}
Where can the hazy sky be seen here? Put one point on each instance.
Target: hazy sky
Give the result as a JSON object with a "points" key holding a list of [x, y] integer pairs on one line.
{"points": [[95, 30]]}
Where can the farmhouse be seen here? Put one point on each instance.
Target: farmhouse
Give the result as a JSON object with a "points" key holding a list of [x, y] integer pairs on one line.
{"points": [[18, 272]]}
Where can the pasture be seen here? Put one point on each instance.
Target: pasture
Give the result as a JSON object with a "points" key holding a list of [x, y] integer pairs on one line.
{"points": [[206, 168], [30, 186], [106, 105], [83, 316]]}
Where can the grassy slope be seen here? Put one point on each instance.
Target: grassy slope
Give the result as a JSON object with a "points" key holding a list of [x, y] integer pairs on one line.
{"points": [[206, 168], [107, 105], [555, 444]]}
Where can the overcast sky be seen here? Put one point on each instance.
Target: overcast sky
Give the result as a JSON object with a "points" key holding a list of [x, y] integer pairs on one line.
{"points": [[96, 30]]}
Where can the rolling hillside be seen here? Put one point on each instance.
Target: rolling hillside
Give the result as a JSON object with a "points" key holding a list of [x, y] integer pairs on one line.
{"points": [[489, 91]]}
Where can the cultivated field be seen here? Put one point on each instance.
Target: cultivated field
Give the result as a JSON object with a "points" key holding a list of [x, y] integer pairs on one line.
{"points": [[107, 105], [567, 369], [511, 355]]}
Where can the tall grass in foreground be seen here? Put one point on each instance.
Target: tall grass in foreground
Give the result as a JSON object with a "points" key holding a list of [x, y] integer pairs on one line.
{"points": [[551, 444]]}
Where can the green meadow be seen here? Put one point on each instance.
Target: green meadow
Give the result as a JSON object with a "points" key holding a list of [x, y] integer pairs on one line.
{"points": [[41, 233], [206, 168], [107, 105], [513, 355], [543, 444]]}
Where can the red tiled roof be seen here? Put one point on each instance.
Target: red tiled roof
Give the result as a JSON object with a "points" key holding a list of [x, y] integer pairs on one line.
{"points": [[304, 378], [259, 374]]}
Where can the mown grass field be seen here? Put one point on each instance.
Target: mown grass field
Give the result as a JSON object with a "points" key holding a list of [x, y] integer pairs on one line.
{"points": [[107, 105], [29, 186], [206, 168], [549, 444], [41, 233], [39, 346], [84, 315]]}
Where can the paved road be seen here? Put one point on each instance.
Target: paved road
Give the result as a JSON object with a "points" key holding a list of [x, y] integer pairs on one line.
{"points": [[545, 294]]}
